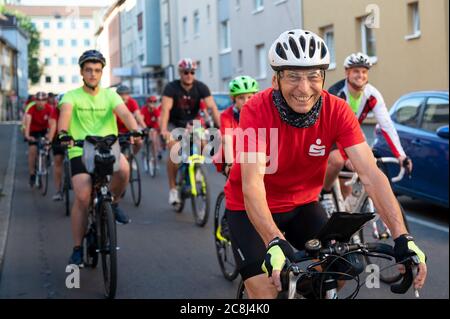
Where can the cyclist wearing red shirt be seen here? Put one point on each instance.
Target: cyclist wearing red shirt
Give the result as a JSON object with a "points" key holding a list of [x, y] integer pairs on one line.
{"points": [[133, 107], [271, 207], [151, 113], [36, 126], [58, 155], [242, 89]]}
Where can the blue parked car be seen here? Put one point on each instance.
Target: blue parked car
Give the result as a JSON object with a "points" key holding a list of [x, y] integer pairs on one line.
{"points": [[223, 101], [421, 120]]}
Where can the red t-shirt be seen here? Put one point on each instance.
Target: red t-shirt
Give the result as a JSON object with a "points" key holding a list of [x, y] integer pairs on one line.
{"points": [[151, 117], [132, 106], [55, 114], [39, 118], [227, 120], [300, 160]]}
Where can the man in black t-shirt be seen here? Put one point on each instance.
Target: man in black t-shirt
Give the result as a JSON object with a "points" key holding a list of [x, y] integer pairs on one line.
{"points": [[181, 105]]}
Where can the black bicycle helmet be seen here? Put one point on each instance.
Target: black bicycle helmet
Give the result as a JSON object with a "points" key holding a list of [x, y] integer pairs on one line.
{"points": [[91, 56]]}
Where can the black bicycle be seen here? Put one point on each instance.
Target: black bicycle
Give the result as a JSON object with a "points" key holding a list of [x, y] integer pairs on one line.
{"points": [[67, 183], [149, 156], [42, 165], [191, 179], [101, 235], [332, 251], [135, 172], [222, 241]]}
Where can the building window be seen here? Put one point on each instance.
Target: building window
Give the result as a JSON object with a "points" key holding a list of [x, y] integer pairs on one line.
{"points": [[87, 42], [61, 61], [261, 57], [328, 36], [166, 33], [185, 27], [259, 5], [413, 21], [60, 42], [61, 79], [208, 14], [140, 22], [225, 36], [48, 61], [196, 23], [46, 25], [46, 42], [73, 24], [75, 79], [48, 79], [86, 24], [74, 42], [211, 70], [240, 60], [74, 60], [367, 40], [59, 25]]}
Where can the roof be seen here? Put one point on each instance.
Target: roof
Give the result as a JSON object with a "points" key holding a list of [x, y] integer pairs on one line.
{"points": [[47, 11]]}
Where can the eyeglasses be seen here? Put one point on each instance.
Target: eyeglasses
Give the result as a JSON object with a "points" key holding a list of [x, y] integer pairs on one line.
{"points": [[189, 72], [96, 71], [294, 77], [41, 100]]}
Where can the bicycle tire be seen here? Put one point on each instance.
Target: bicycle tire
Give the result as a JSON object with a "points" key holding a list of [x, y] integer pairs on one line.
{"points": [[151, 161], [44, 176], [108, 247], [201, 218], [241, 293], [135, 181], [66, 188], [389, 271], [90, 247], [180, 180], [223, 254]]}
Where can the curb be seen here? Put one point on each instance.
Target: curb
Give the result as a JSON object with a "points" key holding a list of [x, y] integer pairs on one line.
{"points": [[5, 203]]}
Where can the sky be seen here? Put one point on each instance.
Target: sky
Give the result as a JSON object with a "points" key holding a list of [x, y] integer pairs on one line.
{"points": [[67, 2]]}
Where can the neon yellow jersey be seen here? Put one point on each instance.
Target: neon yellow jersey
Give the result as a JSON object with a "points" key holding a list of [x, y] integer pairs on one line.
{"points": [[354, 103], [29, 105], [91, 115]]}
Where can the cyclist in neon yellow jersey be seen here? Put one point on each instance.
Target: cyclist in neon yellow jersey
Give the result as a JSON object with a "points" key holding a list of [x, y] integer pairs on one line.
{"points": [[91, 110]]}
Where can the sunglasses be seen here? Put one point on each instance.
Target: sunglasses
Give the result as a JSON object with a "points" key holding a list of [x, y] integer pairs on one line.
{"points": [[189, 72], [41, 100]]}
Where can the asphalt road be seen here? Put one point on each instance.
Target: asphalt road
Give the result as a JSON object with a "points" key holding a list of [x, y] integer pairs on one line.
{"points": [[162, 254]]}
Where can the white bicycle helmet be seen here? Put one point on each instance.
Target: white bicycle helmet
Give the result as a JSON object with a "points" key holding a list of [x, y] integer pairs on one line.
{"points": [[299, 49], [357, 60]]}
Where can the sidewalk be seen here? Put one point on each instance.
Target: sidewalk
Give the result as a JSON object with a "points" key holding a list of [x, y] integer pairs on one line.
{"points": [[6, 132]]}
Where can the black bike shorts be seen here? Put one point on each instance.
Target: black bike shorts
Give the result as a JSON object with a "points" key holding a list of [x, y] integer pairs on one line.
{"points": [[37, 136], [57, 148], [77, 166], [298, 226]]}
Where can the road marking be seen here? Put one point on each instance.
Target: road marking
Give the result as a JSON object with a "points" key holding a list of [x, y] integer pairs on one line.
{"points": [[427, 224]]}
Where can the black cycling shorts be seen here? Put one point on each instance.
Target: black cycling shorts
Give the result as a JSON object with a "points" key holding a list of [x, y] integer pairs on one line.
{"points": [[37, 136], [77, 166], [298, 226], [57, 148]]}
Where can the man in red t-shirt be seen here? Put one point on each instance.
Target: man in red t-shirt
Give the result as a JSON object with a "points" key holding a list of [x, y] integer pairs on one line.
{"points": [[273, 205], [133, 107], [36, 126], [151, 113], [58, 155]]}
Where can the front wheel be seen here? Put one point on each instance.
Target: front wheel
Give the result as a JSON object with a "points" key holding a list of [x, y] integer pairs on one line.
{"points": [[43, 174], [200, 202], [108, 247], [222, 240], [135, 180], [377, 231]]}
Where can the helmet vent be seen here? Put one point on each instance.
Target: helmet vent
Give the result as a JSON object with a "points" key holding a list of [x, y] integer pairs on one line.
{"points": [[294, 47], [303, 43], [312, 48], [280, 51], [323, 51]]}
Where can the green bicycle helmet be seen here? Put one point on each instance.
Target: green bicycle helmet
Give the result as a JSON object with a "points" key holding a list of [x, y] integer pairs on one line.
{"points": [[243, 84]]}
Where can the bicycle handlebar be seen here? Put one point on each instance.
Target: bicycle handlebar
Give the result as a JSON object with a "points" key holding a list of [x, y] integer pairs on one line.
{"points": [[340, 249], [354, 176]]}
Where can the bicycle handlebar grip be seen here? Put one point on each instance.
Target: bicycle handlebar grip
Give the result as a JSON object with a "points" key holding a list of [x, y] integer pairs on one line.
{"points": [[405, 284]]}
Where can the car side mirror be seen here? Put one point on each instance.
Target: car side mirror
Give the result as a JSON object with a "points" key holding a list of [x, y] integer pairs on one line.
{"points": [[442, 132]]}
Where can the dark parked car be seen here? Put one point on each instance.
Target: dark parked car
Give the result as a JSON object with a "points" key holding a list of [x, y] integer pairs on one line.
{"points": [[421, 119]]}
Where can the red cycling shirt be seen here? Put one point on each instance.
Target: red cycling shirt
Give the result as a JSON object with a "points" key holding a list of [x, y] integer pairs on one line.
{"points": [[151, 117], [302, 153], [132, 106], [39, 118]]}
